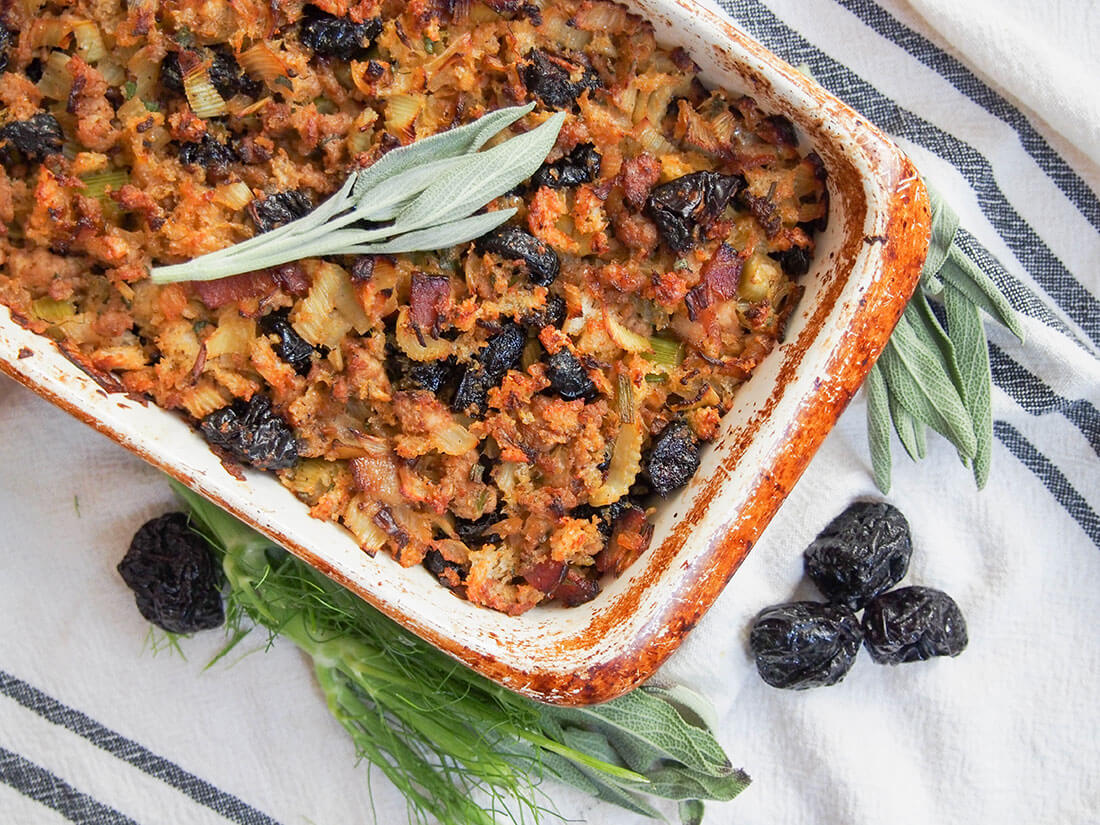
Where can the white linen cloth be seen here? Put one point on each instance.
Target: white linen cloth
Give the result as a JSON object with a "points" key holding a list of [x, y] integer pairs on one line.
{"points": [[95, 728]]}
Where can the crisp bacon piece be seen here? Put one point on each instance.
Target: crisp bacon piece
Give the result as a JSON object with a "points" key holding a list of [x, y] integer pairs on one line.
{"points": [[292, 278], [637, 177], [546, 576], [258, 284], [577, 588], [722, 273], [428, 298]]}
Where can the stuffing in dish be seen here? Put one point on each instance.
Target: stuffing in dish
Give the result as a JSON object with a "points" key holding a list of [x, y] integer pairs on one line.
{"points": [[500, 412]]}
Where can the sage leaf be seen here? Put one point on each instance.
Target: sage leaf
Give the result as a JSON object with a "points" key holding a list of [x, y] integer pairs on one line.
{"points": [[482, 177], [435, 237], [673, 782], [458, 141], [911, 432], [945, 225], [646, 721], [691, 812], [926, 392], [596, 784], [964, 324], [694, 707], [960, 271], [878, 427]]}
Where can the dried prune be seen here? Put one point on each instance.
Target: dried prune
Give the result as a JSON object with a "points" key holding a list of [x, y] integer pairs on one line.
{"points": [[432, 376], [448, 573], [36, 137], [501, 353], [291, 347], [582, 165], [209, 153], [253, 434], [862, 552], [673, 459], [551, 78], [7, 40], [278, 209], [684, 209], [912, 624], [173, 575], [514, 244], [552, 314], [329, 36], [476, 533], [802, 645], [568, 377], [794, 261]]}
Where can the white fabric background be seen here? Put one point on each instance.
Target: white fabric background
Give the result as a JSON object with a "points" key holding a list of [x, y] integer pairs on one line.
{"points": [[1005, 733]]}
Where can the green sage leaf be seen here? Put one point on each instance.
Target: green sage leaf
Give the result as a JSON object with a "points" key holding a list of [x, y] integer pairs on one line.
{"points": [[926, 392], [672, 782], [434, 237], [911, 432], [651, 725], [481, 177], [878, 427], [450, 144], [979, 289], [964, 324], [691, 812]]}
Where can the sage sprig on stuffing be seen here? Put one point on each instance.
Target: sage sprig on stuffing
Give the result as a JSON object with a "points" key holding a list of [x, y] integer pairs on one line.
{"points": [[427, 194], [936, 375]]}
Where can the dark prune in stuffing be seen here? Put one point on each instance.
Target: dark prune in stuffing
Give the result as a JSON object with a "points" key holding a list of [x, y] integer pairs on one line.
{"points": [[794, 261], [224, 72], [209, 153], [291, 347], [862, 552], [912, 624], [582, 165], [253, 434], [432, 376], [684, 209], [568, 377], [551, 314], [448, 573], [36, 137], [7, 40], [329, 36], [803, 645], [171, 75], [173, 575], [476, 533], [501, 353], [550, 79], [514, 244], [673, 459], [278, 209]]}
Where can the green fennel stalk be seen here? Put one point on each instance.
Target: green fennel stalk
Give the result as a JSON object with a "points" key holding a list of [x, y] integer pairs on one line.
{"points": [[438, 730]]}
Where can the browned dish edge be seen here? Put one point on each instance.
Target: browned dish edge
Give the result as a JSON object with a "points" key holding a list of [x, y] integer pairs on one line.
{"points": [[903, 248]]}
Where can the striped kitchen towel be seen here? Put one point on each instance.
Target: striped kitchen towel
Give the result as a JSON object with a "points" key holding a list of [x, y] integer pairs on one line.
{"points": [[99, 723]]}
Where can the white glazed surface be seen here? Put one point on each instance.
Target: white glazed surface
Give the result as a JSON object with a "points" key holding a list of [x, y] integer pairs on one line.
{"points": [[544, 640]]}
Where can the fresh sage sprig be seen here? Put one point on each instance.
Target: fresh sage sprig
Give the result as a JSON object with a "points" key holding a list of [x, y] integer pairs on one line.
{"points": [[936, 375], [426, 195], [438, 730]]}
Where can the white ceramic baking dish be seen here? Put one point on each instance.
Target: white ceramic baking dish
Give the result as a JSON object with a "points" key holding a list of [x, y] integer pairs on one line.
{"points": [[866, 266]]}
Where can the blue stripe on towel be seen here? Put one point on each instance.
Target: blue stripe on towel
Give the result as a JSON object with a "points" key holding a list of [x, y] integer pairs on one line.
{"points": [[951, 69], [53, 792], [129, 751], [1053, 478], [1033, 254]]}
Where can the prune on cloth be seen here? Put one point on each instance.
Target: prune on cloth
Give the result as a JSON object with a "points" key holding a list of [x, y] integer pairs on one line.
{"points": [[568, 377], [36, 137], [673, 459], [912, 624], [291, 347], [862, 552], [173, 576], [550, 78], [501, 353], [279, 209], [582, 165], [329, 36], [252, 434], [514, 244], [802, 645], [685, 208]]}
